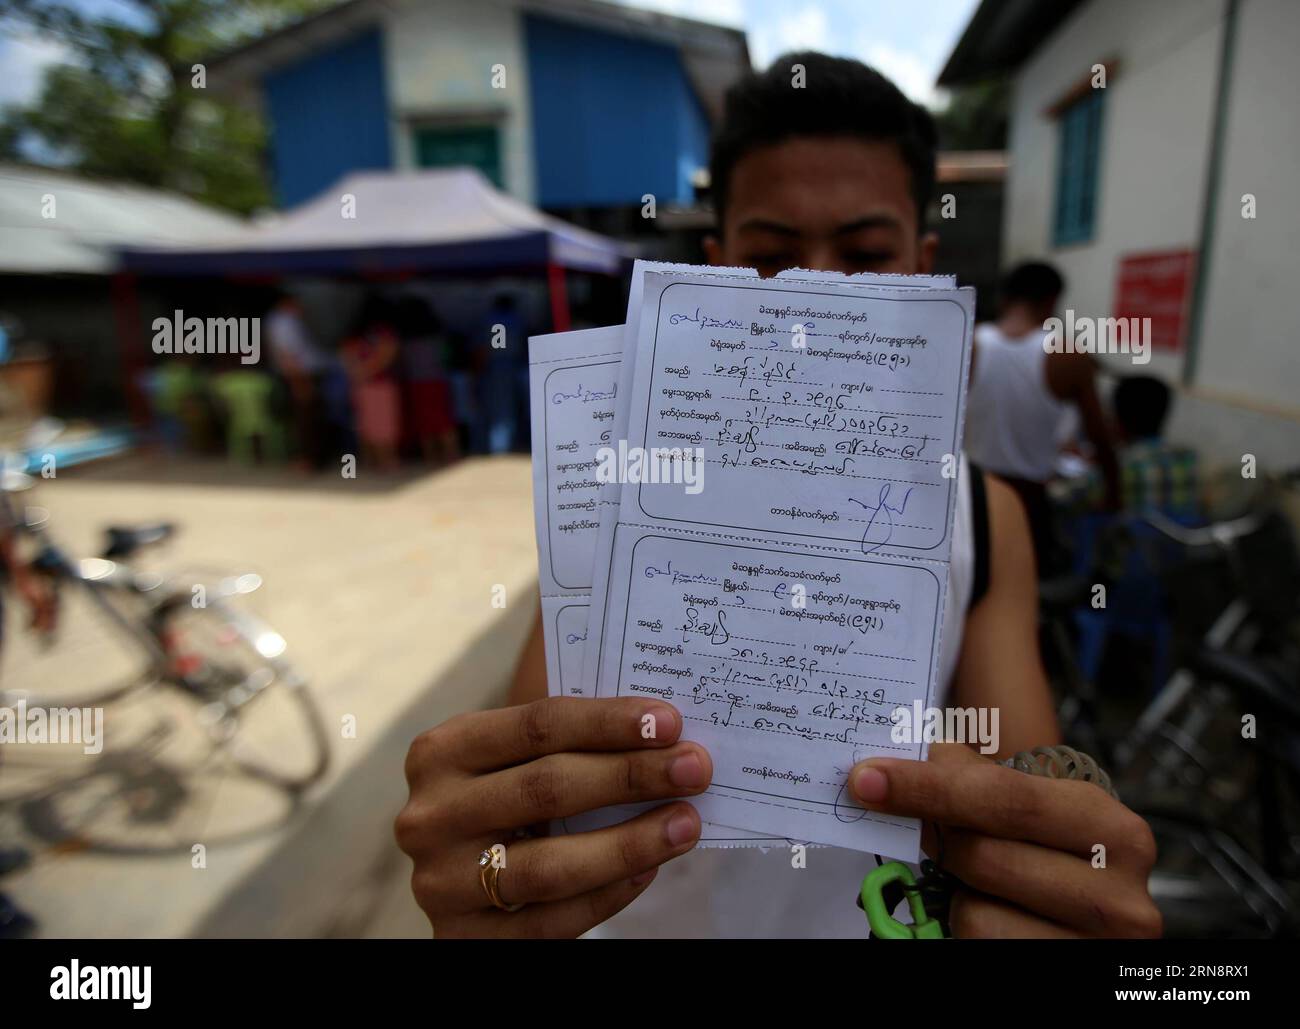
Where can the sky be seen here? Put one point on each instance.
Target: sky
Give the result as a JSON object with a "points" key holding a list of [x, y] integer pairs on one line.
{"points": [[907, 40]]}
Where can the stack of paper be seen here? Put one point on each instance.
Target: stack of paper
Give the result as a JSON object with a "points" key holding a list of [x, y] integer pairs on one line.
{"points": [[745, 498]]}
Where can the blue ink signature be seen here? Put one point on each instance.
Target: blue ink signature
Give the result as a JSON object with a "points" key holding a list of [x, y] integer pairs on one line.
{"points": [[705, 321], [585, 395], [680, 577], [882, 504]]}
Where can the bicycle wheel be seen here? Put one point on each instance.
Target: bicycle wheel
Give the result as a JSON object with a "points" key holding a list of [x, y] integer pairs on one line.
{"points": [[254, 705], [1208, 884], [98, 654], [142, 801]]}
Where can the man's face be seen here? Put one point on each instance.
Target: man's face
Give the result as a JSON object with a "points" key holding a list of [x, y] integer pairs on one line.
{"points": [[839, 204]]}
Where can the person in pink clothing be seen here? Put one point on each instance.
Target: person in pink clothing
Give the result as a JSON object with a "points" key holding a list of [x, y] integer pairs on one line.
{"points": [[369, 355]]}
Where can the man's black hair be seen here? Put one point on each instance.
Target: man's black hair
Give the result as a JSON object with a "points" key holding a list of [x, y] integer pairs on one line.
{"points": [[1141, 404], [839, 97], [1034, 282]]}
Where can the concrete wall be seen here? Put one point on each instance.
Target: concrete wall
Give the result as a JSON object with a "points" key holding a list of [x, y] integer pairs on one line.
{"points": [[440, 59], [586, 118], [1250, 345], [1155, 141], [1154, 136]]}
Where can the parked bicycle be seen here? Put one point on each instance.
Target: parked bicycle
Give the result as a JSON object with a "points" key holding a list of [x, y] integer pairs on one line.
{"points": [[245, 703], [1213, 758]]}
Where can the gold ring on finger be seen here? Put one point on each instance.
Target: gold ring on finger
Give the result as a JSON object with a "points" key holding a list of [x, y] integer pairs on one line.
{"points": [[489, 871]]}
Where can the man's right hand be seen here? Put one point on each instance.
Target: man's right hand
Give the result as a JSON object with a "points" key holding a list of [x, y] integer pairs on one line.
{"points": [[479, 777]]}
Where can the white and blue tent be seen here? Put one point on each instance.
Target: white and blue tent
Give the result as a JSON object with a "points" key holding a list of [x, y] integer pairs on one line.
{"points": [[448, 220]]}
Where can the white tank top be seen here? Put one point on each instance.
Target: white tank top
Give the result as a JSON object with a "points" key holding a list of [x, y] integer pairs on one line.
{"points": [[748, 892], [1013, 420]]}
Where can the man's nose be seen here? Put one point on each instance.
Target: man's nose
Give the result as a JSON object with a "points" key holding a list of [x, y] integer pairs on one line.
{"points": [[824, 257]]}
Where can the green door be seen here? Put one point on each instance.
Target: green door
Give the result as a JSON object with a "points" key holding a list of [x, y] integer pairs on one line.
{"points": [[477, 146]]}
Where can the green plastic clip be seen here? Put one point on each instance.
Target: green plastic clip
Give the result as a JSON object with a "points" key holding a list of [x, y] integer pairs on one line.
{"points": [[883, 924]]}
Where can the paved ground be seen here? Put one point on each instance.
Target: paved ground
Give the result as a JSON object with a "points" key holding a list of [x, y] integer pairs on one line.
{"points": [[383, 590]]}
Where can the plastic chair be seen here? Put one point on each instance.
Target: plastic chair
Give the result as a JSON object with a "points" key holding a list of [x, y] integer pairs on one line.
{"points": [[247, 397]]}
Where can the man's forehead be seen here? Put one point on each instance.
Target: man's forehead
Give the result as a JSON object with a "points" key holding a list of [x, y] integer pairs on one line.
{"points": [[827, 186]]}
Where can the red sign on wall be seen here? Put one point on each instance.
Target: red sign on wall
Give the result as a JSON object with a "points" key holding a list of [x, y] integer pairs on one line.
{"points": [[1158, 286]]}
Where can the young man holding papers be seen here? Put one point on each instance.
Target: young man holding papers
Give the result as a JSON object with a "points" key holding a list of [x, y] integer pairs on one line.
{"points": [[832, 175]]}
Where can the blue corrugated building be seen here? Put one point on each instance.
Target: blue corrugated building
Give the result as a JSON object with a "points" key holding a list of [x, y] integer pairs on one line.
{"points": [[572, 105]]}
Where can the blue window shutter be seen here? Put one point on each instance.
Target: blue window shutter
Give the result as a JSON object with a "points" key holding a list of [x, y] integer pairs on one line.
{"points": [[1079, 162]]}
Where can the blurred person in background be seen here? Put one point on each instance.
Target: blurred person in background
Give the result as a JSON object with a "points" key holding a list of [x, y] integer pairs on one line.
{"points": [[1155, 475], [1020, 395], [301, 363], [41, 601], [464, 391], [502, 338], [166, 429], [428, 388], [370, 357], [176, 388], [835, 176], [16, 573], [339, 424]]}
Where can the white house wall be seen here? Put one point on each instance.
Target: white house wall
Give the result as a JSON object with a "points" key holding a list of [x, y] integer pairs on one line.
{"points": [[1251, 343], [440, 57], [1155, 138]]}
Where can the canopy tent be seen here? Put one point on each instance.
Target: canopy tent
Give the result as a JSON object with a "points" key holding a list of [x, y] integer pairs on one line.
{"points": [[446, 220]]}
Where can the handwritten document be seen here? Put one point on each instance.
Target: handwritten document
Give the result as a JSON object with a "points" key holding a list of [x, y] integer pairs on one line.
{"points": [[841, 438], [636, 293], [573, 387], [785, 591], [573, 384]]}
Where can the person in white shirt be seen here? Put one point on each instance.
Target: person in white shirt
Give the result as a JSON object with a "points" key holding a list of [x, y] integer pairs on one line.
{"points": [[301, 363], [1020, 396]]}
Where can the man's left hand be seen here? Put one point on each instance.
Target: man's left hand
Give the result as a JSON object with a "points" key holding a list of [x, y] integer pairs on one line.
{"points": [[1038, 857]]}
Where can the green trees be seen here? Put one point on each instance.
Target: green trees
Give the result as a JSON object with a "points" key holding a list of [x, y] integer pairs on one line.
{"points": [[130, 102]]}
